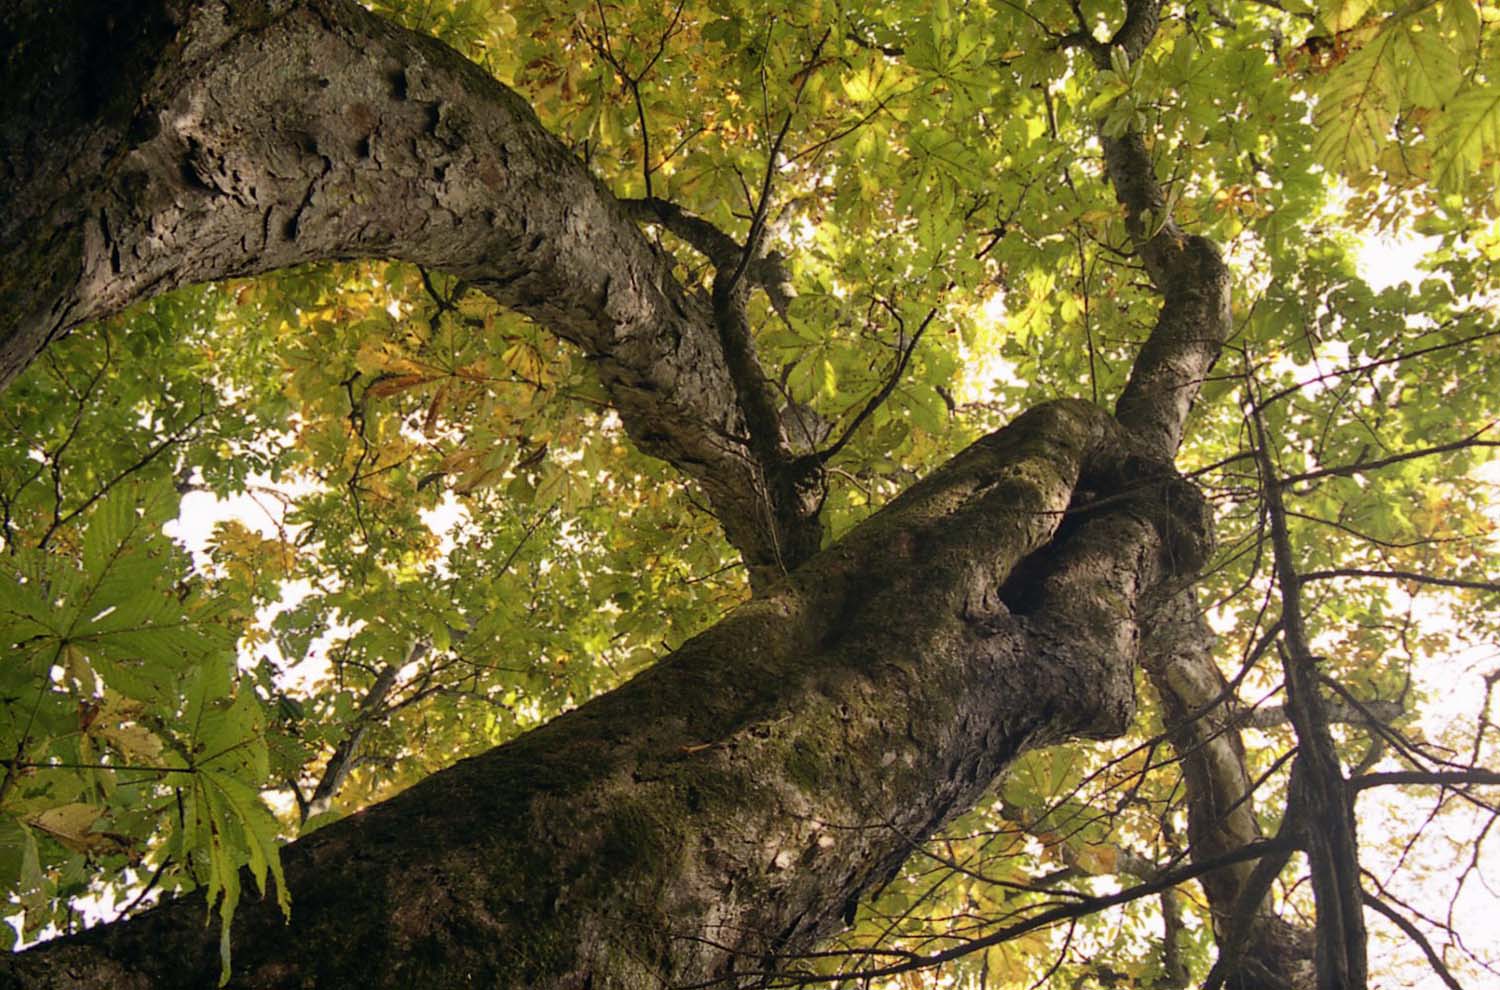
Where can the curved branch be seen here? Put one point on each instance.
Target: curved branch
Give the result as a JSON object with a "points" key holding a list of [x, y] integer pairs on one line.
{"points": [[1415, 934], [768, 272], [308, 130]]}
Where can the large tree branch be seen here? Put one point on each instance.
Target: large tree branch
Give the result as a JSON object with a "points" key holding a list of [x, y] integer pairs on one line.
{"points": [[720, 806], [244, 139], [1191, 328]]}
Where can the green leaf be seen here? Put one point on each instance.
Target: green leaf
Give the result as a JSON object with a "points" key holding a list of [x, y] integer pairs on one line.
{"points": [[1357, 107], [1430, 68], [1470, 133], [1462, 18]]}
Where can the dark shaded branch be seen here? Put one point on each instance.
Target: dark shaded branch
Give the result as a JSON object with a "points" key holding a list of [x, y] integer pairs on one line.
{"points": [[145, 891], [718, 247], [1427, 778], [1363, 467], [1415, 934], [1191, 328], [1413, 576], [1376, 363], [1318, 792], [1194, 321], [890, 51], [173, 438], [885, 390], [375, 706], [1139, 27]]}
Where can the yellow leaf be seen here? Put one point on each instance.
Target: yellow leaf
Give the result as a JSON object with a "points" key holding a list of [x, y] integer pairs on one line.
{"points": [[1098, 859], [135, 741], [1341, 15], [69, 824], [523, 359]]}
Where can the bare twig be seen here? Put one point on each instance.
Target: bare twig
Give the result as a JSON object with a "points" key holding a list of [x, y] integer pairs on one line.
{"points": [[885, 390], [1415, 934], [1413, 576]]}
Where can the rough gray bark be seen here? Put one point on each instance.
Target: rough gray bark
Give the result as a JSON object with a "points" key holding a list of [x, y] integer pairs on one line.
{"points": [[1191, 328], [721, 811], [207, 140]]}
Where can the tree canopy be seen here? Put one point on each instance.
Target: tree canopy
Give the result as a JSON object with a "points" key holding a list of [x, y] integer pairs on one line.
{"points": [[516, 346]]}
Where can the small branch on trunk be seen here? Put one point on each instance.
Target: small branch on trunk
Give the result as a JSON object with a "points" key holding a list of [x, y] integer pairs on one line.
{"points": [[1338, 712], [341, 762], [768, 272]]}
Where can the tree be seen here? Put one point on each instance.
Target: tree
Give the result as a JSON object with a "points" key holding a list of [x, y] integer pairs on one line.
{"points": [[749, 224]]}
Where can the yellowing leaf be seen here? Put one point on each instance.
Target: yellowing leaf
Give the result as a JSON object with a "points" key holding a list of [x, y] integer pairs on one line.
{"points": [[135, 741], [1471, 132], [860, 85], [1097, 859], [69, 824], [1341, 15], [1431, 74], [524, 360], [1357, 107]]}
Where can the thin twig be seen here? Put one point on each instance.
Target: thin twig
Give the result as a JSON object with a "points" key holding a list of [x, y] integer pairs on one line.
{"points": [[1361, 572], [885, 390], [1415, 934]]}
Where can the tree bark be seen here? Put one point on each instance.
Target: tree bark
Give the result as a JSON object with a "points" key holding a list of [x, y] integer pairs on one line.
{"points": [[1203, 727], [717, 814], [200, 141]]}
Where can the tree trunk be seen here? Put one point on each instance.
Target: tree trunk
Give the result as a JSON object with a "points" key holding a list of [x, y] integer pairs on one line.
{"points": [[717, 814], [721, 811]]}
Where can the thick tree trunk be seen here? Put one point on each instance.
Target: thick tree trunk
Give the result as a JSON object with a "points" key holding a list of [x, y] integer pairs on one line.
{"points": [[722, 810], [717, 814]]}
